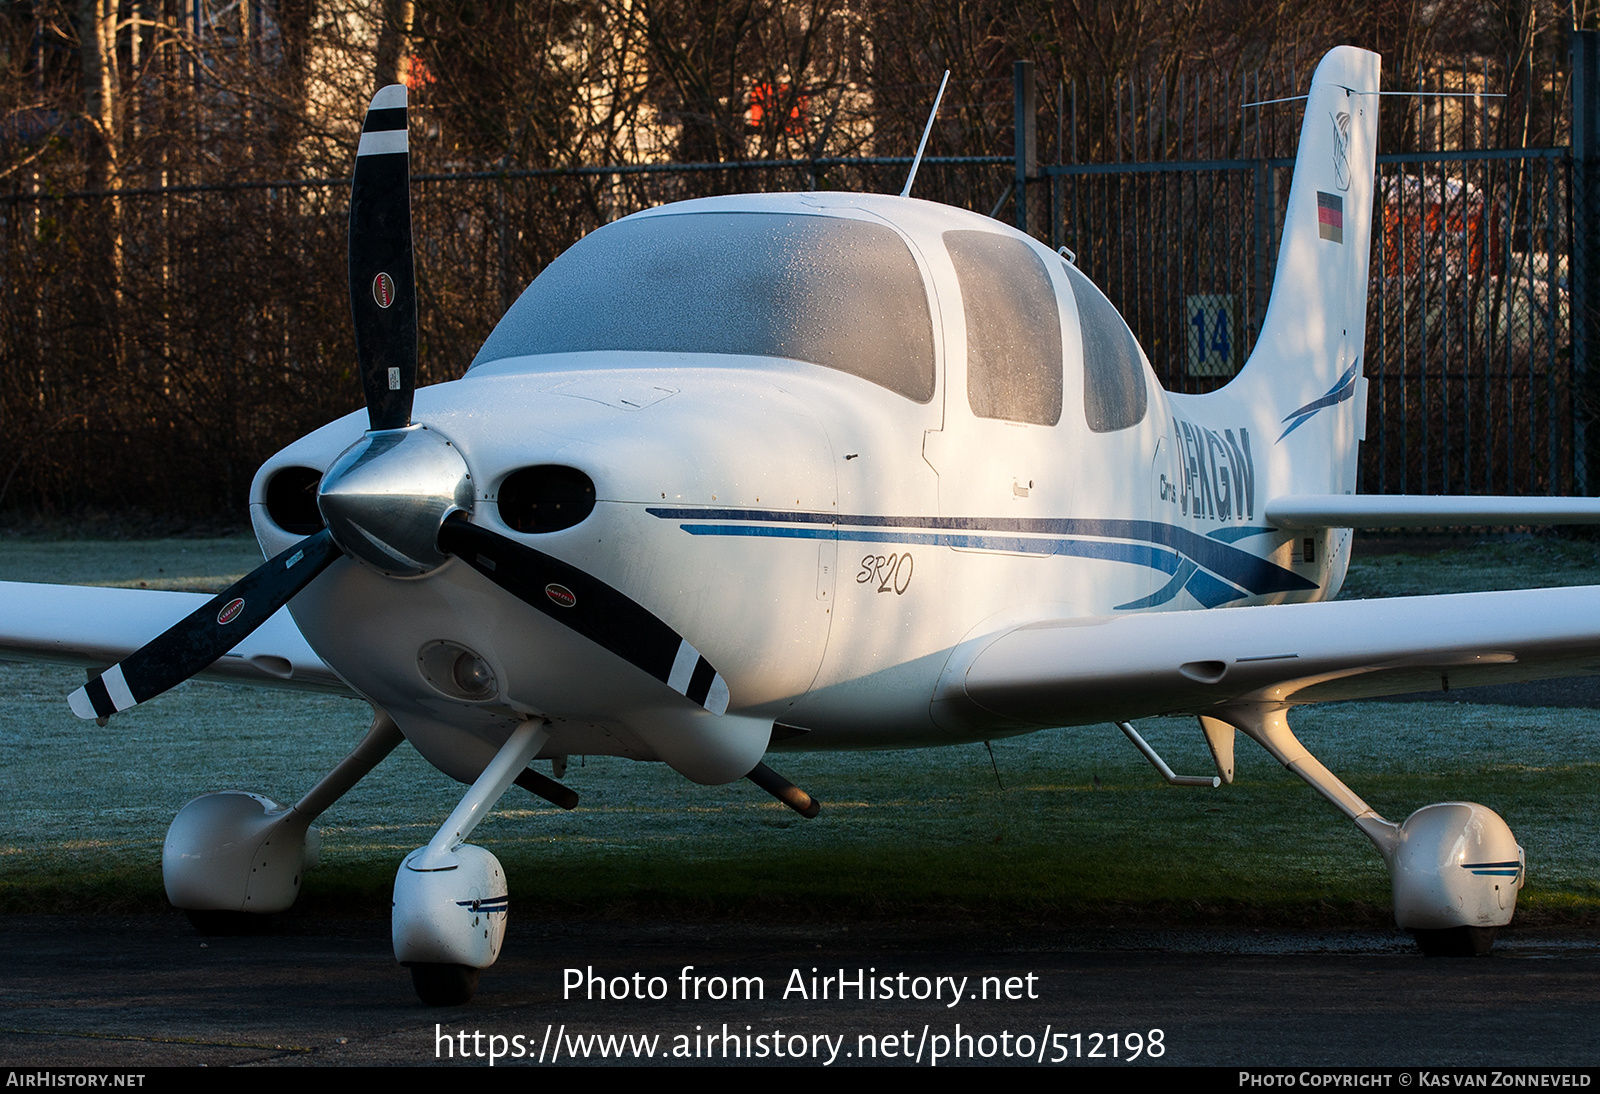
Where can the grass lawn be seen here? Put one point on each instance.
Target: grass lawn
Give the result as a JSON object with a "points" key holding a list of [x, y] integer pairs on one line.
{"points": [[902, 835]]}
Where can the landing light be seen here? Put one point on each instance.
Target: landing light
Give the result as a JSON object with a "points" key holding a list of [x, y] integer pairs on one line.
{"points": [[454, 670]]}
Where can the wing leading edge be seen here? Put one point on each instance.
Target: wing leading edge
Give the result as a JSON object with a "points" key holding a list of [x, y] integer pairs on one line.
{"points": [[1073, 672], [95, 627]]}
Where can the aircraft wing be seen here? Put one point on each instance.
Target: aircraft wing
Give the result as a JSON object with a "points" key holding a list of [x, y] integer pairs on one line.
{"points": [[95, 627], [1071, 672]]}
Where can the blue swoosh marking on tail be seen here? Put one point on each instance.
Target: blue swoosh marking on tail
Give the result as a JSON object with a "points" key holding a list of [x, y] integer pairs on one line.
{"points": [[1338, 393]]}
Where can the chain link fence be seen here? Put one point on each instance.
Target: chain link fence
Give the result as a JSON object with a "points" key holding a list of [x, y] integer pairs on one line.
{"points": [[1469, 326], [156, 344]]}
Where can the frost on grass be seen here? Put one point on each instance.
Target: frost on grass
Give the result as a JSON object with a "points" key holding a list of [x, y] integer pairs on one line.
{"points": [[103, 797]]}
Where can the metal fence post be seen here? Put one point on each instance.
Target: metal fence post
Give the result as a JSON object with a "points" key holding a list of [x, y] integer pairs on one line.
{"points": [[1585, 244], [1026, 100], [1057, 183], [1258, 299]]}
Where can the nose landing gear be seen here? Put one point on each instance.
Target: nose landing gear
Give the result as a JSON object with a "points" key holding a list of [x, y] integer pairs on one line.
{"points": [[450, 897]]}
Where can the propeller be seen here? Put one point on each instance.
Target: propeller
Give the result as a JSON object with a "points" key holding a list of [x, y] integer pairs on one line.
{"points": [[206, 633], [383, 303], [383, 277], [398, 500]]}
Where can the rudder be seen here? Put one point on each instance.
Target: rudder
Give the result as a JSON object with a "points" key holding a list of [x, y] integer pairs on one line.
{"points": [[1308, 357]]}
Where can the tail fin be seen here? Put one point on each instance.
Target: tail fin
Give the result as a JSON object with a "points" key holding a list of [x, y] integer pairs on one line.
{"points": [[1308, 357]]}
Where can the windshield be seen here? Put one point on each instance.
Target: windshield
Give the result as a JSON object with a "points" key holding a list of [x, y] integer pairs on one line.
{"points": [[844, 294]]}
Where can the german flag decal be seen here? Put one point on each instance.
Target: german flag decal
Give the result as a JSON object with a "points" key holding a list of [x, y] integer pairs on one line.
{"points": [[1330, 216]]}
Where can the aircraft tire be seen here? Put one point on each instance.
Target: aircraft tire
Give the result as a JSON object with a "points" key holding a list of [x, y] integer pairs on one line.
{"points": [[1455, 941], [440, 985]]}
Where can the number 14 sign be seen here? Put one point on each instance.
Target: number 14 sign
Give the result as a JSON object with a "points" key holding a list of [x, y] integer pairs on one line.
{"points": [[1211, 334]]}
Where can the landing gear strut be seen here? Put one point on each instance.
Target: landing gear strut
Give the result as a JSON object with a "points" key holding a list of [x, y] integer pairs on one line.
{"points": [[450, 897], [1455, 866], [230, 857]]}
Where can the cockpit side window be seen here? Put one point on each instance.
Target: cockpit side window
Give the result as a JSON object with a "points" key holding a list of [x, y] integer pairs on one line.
{"points": [[1114, 393], [1013, 328], [841, 293]]}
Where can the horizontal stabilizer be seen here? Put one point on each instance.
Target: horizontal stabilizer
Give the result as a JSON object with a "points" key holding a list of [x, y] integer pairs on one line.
{"points": [[1425, 511]]}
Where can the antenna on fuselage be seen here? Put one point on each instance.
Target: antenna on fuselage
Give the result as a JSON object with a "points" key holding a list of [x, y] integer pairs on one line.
{"points": [[1388, 94], [932, 114]]}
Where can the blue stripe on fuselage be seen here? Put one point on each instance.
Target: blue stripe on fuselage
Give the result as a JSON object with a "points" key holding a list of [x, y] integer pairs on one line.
{"points": [[1139, 542], [1140, 554]]}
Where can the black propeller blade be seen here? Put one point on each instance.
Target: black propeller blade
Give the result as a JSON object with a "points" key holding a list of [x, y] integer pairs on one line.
{"points": [[383, 303], [383, 280], [207, 633], [590, 607]]}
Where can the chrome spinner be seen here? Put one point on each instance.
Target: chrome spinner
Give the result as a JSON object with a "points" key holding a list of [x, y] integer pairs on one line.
{"points": [[387, 495]]}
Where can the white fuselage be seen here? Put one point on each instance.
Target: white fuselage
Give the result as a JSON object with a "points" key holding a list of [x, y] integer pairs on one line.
{"points": [[825, 542]]}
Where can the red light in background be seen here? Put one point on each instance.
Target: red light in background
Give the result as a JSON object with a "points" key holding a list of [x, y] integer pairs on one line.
{"points": [[765, 100]]}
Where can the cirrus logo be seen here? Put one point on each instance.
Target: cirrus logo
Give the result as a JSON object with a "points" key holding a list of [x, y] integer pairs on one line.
{"points": [[560, 594], [230, 611]]}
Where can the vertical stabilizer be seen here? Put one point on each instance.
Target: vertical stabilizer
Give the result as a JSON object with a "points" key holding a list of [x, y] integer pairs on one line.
{"points": [[1307, 363]]}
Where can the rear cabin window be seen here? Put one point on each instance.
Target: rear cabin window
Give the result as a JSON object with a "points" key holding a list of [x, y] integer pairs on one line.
{"points": [[1114, 394], [844, 294], [1013, 328]]}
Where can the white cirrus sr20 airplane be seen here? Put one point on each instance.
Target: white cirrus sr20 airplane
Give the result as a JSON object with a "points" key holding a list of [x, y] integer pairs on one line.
{"points": [[819, 471]]}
